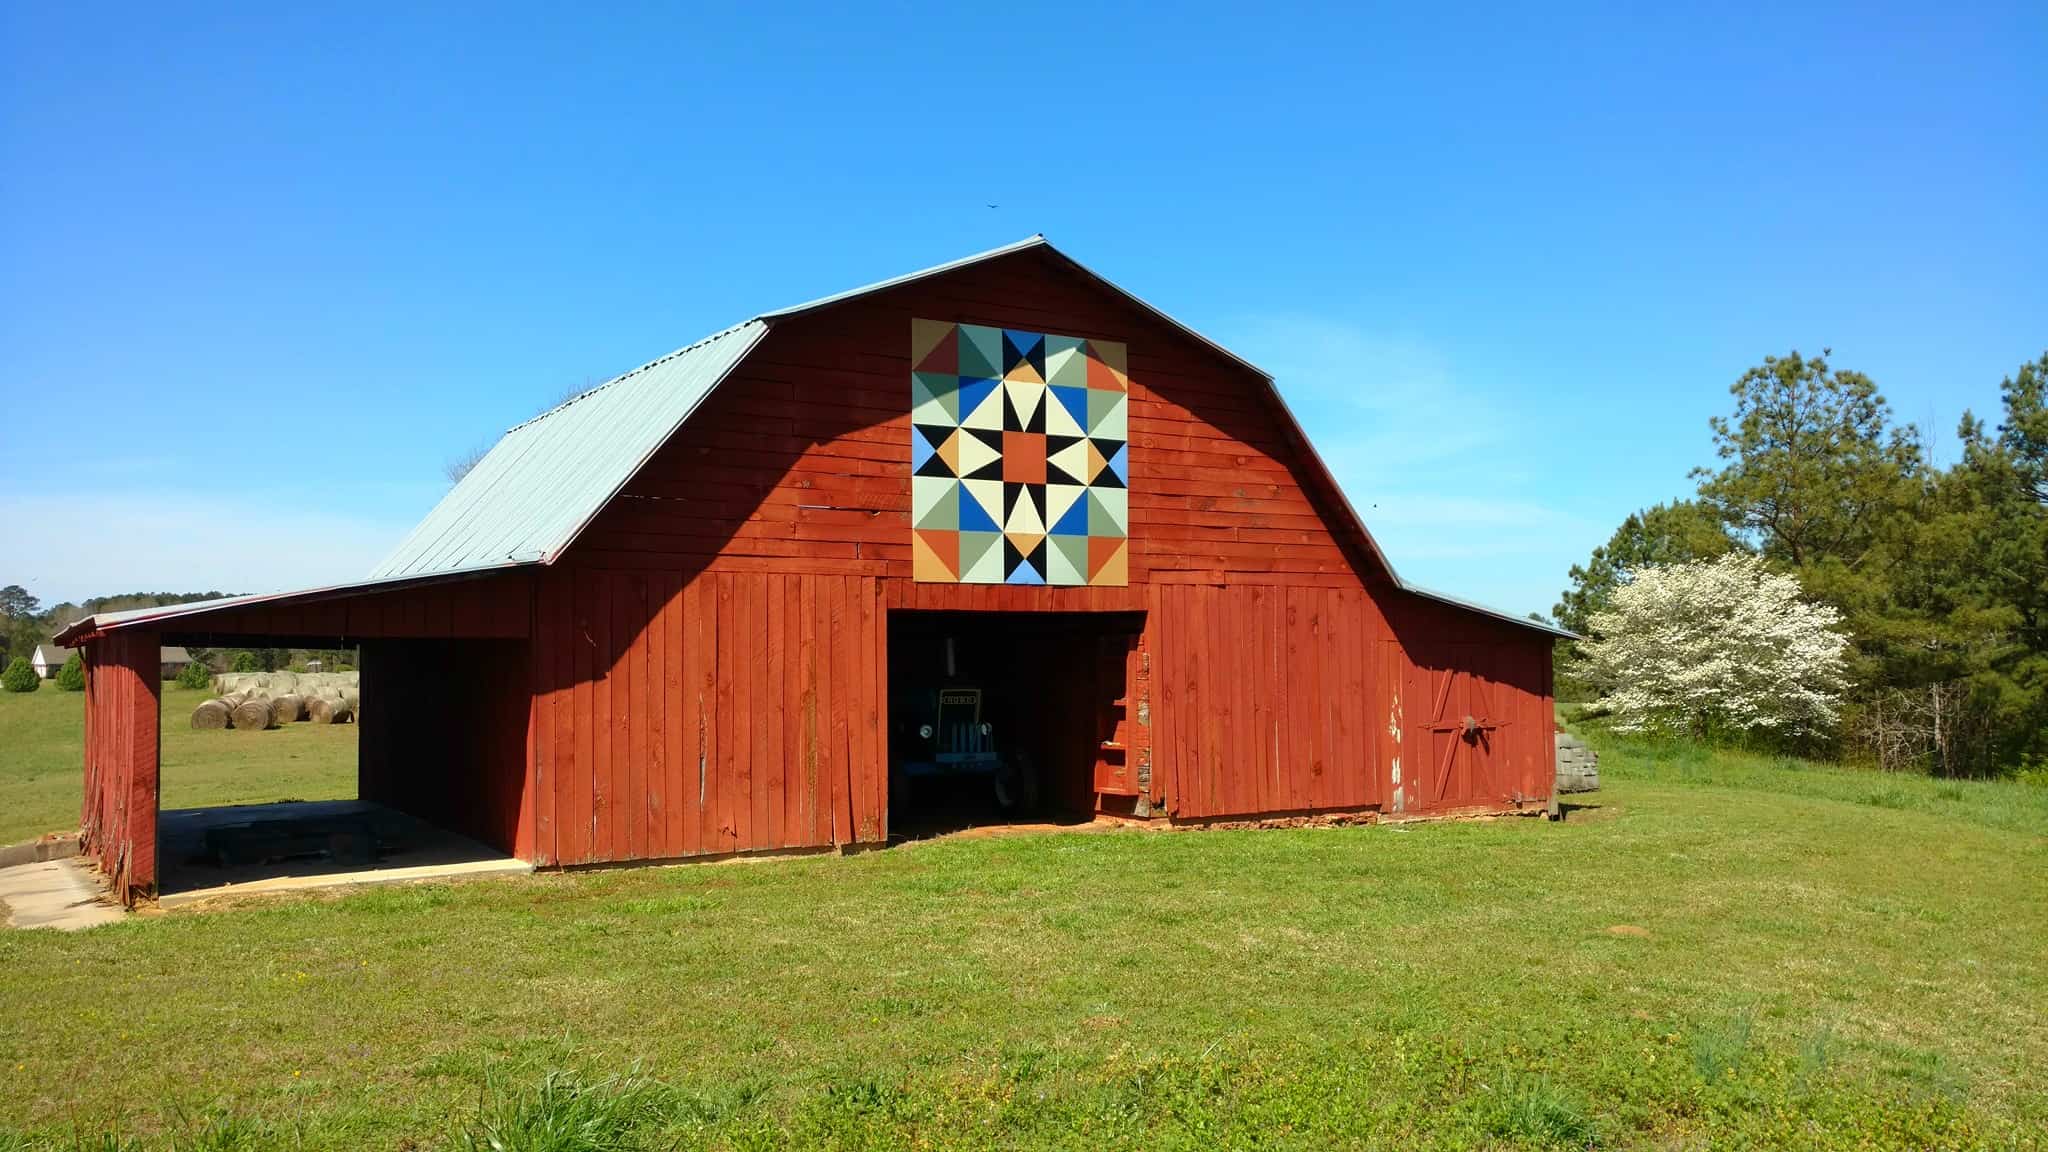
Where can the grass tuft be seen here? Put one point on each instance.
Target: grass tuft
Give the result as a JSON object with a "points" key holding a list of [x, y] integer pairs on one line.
{"points": [[565, 1113], [1719, 1049], [1534, 1110]]}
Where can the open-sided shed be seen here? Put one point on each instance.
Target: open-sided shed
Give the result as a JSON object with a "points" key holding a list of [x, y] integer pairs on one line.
{"points": [[691, 611]]}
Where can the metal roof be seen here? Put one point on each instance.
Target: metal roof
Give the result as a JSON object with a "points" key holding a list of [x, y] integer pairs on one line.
{"points": [[534, 492], [531, 495]]}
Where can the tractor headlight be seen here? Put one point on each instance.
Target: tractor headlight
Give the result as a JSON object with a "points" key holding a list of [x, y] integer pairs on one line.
{"points": [[924, 730], [987, 728]]}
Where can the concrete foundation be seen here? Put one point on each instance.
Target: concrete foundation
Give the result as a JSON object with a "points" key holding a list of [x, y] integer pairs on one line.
{"points": [[208, 853]]}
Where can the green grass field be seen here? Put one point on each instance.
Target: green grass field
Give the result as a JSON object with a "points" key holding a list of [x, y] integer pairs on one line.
{"points": [[1719, 950], [42, 754]]}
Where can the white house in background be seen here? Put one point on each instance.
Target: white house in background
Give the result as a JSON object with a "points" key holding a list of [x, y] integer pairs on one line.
{"points": [[48, 659]]}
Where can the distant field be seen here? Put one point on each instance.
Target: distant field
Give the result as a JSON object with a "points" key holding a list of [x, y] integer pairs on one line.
{"points": [[42, 748], [1716, 951]]}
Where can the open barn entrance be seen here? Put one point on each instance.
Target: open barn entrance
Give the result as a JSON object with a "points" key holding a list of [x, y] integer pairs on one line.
{"points": [[1004, 717], [413, 770]]}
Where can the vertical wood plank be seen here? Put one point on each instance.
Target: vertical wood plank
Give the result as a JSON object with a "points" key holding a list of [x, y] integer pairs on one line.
{"points": [[817, 795], [795, 829], [741, 655], [763, 772], [632, 641], [772, 709], [539, 758], [725, 781], [577, 832]]}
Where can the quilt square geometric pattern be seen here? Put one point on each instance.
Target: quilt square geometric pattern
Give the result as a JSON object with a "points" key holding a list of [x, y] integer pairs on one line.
{"points": [[1019, 457]]}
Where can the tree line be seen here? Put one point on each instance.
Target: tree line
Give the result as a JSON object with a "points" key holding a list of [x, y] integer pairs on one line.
{"points": [[25, 623], [1939, 575]]}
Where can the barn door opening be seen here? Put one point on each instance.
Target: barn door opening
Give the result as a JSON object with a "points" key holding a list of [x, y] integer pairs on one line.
{"points": [[410, 761], [1006, 717]]}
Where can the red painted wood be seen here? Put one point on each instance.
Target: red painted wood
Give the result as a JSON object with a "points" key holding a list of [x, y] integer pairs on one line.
{"points": [[117, 819], [707, 670]]}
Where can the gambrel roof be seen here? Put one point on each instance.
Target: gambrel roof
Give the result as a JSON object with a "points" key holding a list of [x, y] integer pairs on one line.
{"points": [[532, 495]]}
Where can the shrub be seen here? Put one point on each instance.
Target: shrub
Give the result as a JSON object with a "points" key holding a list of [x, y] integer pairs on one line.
{"points": [[1719, 646], [245, 662], [71, 677], [195, 675], [19, 677]]}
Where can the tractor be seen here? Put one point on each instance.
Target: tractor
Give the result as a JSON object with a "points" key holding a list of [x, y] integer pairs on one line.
{"points": [[944, 737]]}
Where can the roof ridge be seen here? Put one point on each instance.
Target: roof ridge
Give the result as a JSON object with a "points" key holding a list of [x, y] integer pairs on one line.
{"points": [[1035, 240], [654, 363]]}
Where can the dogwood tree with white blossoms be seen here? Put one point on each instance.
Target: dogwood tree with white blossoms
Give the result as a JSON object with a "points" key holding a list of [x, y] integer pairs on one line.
{"points": [[1717, 645]]}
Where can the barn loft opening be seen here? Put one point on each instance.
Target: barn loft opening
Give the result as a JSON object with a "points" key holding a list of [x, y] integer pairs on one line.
{"points": [[414, 771], [1006, 717]]}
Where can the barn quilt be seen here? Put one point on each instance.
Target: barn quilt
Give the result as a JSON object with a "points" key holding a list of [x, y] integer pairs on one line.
{"points": [[1019, 457]]}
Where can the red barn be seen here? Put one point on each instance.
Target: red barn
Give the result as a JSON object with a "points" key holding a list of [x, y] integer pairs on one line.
{"points": [[707, 607]]}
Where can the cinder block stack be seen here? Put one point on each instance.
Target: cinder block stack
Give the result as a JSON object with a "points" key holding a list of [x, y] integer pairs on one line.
{"points": [[1578, 767]]}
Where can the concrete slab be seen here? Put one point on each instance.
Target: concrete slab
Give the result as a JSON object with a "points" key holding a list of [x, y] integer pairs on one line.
{"points": [[62, 894], [407, 849]]}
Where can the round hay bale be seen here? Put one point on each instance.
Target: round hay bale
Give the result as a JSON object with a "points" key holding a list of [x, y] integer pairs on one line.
{"points": [[252, 715], [284, 683], [287, 709], [321, 709], [212, 715]]}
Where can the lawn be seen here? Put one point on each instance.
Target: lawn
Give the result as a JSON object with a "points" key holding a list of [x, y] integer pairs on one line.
{"points": [[42, 754], [1718, 950]]}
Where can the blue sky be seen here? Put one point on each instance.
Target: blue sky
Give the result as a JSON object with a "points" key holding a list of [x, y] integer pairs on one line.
{"points": [[264, 271]]}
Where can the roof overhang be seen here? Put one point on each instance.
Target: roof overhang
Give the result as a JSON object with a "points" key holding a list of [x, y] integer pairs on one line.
{"points": [[187, 615]]}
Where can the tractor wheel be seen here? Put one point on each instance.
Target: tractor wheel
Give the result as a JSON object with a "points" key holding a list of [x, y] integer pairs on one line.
{"points": [[1017, 785]]}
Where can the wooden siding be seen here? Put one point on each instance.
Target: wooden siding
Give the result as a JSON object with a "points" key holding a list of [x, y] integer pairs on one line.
{"points": [[1267, 700], [720, 712], [705, 670], [710, 669], [800, 461], [1445, 665], [117, 823]]}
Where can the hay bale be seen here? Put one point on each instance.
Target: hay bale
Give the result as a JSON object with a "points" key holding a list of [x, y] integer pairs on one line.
{"points": [[286, 709], [252, 715], [329, 710], [212, 715]]}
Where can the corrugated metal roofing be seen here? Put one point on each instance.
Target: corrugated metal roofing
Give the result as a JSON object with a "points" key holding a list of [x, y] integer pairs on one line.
{"points": [[530, 496]]}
